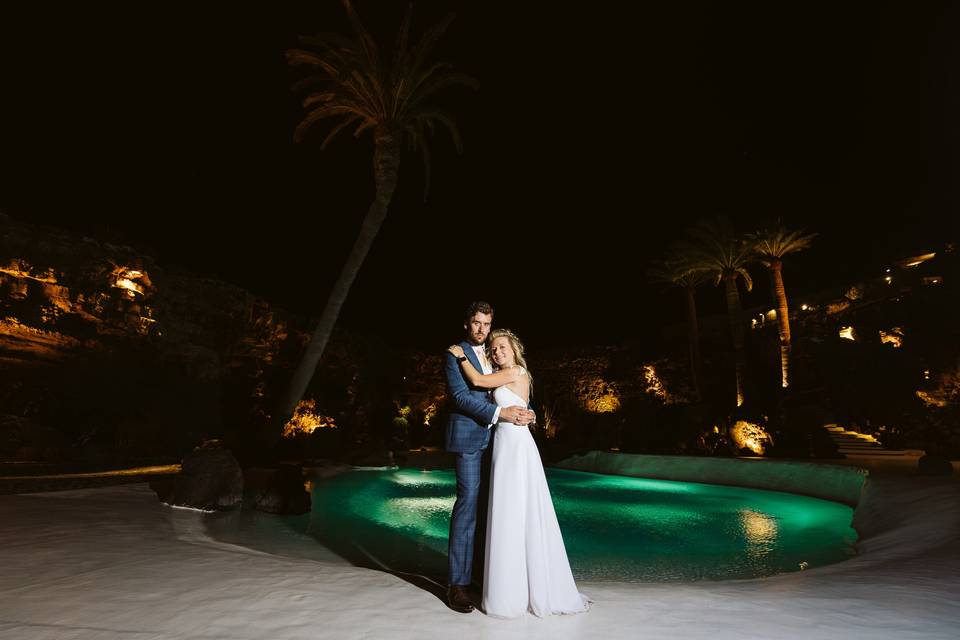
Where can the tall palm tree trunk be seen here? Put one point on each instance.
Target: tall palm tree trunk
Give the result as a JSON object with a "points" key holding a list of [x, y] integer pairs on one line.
{"points": [[736, 329], [386, 165], [693, 338], [783, 321]]}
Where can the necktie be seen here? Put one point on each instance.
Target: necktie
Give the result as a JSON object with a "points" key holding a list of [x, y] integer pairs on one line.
{"points": [[482, 356]]}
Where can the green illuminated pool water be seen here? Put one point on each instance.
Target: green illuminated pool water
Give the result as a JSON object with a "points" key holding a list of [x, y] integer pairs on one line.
{"points": [[615, 527]]}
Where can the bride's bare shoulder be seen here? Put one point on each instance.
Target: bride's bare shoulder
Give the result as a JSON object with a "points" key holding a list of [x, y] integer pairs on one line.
{"points": [[521, 384]]}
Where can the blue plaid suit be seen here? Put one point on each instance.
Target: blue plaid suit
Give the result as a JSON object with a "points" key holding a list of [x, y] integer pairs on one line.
{"points": [[468, 437]]}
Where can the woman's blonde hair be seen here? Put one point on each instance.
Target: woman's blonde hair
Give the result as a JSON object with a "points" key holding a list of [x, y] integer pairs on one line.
{"points": [[517, 347]]}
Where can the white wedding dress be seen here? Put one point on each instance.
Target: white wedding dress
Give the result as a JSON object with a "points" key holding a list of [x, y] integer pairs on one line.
{"points": [[526, 567]]}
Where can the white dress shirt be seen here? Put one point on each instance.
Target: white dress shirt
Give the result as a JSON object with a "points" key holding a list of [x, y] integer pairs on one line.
{"points": [[487, 370]]}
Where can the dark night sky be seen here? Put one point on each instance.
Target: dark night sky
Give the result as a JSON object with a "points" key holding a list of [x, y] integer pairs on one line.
{"points": [[598, 133]]}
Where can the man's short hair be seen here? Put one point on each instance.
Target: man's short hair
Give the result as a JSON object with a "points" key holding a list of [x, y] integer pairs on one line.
{"points": [[479, 306]]}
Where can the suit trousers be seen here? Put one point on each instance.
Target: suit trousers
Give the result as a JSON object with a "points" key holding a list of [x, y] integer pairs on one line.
{"points": [[468, 522]]}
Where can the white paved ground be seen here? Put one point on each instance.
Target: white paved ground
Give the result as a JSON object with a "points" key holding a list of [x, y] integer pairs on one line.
{"points": [[113, 563]]}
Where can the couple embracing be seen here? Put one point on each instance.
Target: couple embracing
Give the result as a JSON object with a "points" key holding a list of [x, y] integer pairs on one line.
{"points": [[525, 566]]}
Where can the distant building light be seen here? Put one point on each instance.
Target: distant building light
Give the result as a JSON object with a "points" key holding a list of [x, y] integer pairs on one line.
{"points": [[804, 307], [888, 270], [772, 315], [847, 333], [926, 374], [888, 280], [932, 280]]}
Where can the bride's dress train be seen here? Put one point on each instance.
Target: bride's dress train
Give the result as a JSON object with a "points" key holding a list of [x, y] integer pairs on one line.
{"points": [[526, 567]]}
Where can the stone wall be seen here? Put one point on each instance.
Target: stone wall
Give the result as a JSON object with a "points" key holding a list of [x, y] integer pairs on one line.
{"points": [[829, 482]]}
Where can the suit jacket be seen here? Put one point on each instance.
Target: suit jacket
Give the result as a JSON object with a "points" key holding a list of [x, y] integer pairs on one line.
{"points": [[472, 408]]}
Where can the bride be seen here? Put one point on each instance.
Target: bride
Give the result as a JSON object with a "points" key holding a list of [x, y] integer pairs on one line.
{"points": [[526, 566]]}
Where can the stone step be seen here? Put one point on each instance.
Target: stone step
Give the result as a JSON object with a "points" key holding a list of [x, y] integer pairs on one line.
{"points": [[851, 444], [878, 454], [858, 443]]}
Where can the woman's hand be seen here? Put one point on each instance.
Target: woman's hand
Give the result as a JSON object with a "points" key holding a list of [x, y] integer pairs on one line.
{"points": [[456, 350]]}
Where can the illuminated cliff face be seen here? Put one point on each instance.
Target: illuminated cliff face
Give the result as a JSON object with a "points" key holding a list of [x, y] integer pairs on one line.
{"points": [[48, 312], [102, 348], [62, 294]]}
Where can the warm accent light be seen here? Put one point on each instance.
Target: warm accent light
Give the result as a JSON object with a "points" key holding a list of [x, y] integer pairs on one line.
{"points": [[847, 333], [654, 384], [894, 337], [751, 436], [931, 400], [916, 260], [165, 469], [549, 420], [599, 396], [16, 268], [306, 420], [127, 279], [429, 413]]}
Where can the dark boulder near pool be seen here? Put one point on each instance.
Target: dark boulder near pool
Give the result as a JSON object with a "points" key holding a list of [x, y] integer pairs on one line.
{"points": [[210, 478]]}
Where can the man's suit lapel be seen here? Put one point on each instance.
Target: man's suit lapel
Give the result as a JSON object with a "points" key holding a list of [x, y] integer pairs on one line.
{"points": [[471, 355]]}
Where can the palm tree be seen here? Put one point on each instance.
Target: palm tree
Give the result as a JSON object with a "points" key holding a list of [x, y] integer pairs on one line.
{"points": [[392, 98], [673, 272], [713, 248], [770, 245]]}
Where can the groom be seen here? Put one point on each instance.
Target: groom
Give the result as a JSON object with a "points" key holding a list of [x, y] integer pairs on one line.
{"points": [[468, 435]]}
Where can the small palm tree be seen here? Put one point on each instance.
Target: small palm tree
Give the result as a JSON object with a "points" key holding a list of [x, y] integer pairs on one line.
{"points": [[714, 249], [770, 245], [672, 271], [392, 97]]}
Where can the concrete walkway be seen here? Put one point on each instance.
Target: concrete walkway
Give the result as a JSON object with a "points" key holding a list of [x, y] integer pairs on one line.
{"points": [[111, 563]]}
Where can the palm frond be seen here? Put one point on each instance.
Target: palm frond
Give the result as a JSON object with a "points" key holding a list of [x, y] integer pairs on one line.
{"points": [[423, 48], [400, 54], [368, 46], [430, 116], [337, 129], [714, 247], [318, 114], [425, 87], [352, 81], [776, 241], [747, 280]]}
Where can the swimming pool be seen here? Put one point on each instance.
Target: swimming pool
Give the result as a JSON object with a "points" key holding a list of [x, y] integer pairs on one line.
{"points": [[615, 527]]}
